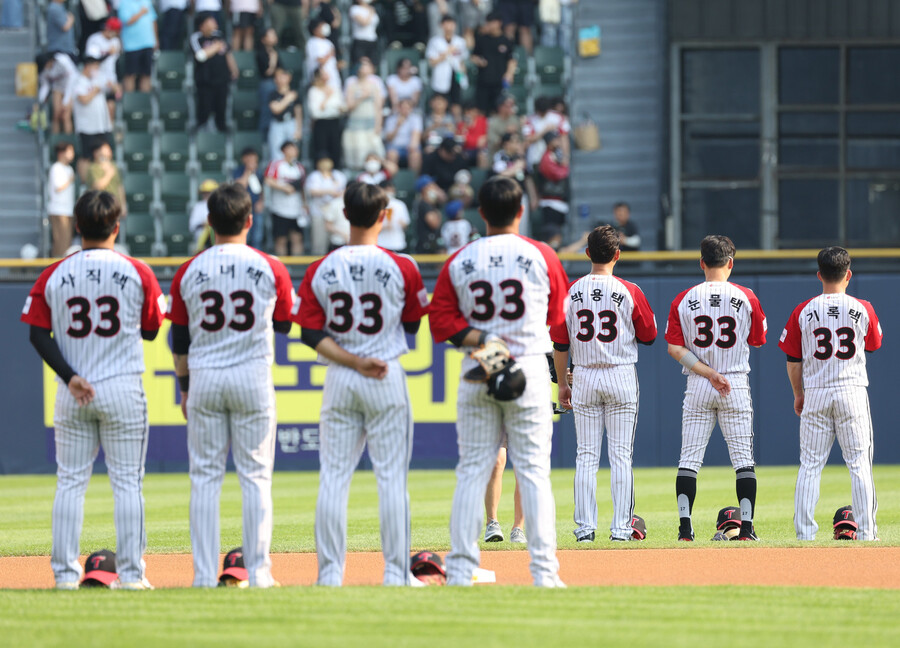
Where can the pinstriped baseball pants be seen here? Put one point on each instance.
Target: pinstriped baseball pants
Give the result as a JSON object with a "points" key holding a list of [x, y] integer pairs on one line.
{"points": [[359, 412], [232, 406], [841, 413], [117, 420], [528, 422], [605, 398]]}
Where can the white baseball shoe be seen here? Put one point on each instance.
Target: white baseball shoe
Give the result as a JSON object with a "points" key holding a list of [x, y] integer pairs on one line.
{"points": [[135, 586], [68, 586]]}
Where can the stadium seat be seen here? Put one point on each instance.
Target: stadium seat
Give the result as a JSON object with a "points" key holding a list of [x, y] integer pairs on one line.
{"points": [[137, 110], [53, 140], [138, 151], [246, 110], [210, 151], [476, 221], [549, 63], [246, 139], [173, 111], [170, 70], [176, 234], [521, 56], [140, 233], [520, 94], [176, 192], [395, 55], [291, 59], [174, 151], [405, 186], [248, 78], [549, 90], [138, 192]]}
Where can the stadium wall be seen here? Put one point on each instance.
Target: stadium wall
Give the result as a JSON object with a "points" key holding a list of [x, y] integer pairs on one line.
{"points": [[27, 389]]}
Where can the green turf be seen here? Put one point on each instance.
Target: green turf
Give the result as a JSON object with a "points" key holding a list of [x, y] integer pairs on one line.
{"points": [[25, 504]]}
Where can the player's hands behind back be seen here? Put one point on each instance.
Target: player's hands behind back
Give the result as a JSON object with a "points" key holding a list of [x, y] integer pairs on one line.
{"points": [[720, 383], [492, 356], [82, 391], [372, 368], [565, 396]]}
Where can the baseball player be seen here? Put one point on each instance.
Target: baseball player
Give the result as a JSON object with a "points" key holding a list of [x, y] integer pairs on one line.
{"points": [[501, 292], [98, 305], [355, 307], [710, 331], [824, 340], [606, 317], [225, 304]]}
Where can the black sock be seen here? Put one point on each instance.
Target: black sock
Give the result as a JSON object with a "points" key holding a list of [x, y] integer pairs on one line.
{"points": [[745, 486], [685, 488]]}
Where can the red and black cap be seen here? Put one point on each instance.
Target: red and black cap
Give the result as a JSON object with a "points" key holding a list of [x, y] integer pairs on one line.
{"points": [[426, 563], [100, 569], [638, 527], [729, 517], [843, 517], [233, 566]]}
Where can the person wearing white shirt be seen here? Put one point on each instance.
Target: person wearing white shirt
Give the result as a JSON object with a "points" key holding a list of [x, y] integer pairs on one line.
{"points": [[320, 52], [405, 83], [285, 177], [396, 220], [56, 76], [324, 194], [61, 198], [403, 136], [326, 107], [105, 46], [446, 54], [364, 30], [92, 122]]}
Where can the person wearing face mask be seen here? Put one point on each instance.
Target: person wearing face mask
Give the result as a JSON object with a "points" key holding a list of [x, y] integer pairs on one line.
{"points": [[326, 108], [376, 170], [396, 220], [320, 52], [428, 208], [324, 191], [89, 109]]}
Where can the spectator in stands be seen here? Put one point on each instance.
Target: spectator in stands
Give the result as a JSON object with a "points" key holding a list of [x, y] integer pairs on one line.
{"points": [[92, 122], [287, 113], [396, 220], [545, 120], [287, 21], [472, 130], [289, 217], [266, 64], [456, 230], [244, 14], [407, 22], [320, 52], [505, 120], [198, 221], [247, 175], [404, 83], [13, 14], [443, 164], [92, 17], [326, 109], [324, 192], [138, 41], [376, 170], [362, 134], [510, 162], [629, 237], [204, 9], [439, 124], [56, 77], [364, 31], [214, 69], [553, 188], [518, 14], [171, 30], [436, 10], [430, 200], [60, 28], [382, 88], [103, 175], [558, 24], [472, 14], [493, 55], [462, 189], [403, 136], [61, 198], [328, 12], [105, 46], [446, 54]]}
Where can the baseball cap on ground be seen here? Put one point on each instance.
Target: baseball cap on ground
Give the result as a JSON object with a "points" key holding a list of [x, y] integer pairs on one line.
{"points": [[844, 517], [100, 569], [730, 516], [234, 574], [428, 567], [638, 527]]}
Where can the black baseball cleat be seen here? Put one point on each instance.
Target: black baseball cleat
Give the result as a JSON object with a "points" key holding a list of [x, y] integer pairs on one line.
{"points": [[586, 538], [685, 535], [747, 535]]}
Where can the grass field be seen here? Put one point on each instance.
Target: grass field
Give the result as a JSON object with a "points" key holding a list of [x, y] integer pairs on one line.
{"points": [[485, 616]]}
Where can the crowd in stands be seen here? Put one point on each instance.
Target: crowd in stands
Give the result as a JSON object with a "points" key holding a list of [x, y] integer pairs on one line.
{"points": [[425, 98]]}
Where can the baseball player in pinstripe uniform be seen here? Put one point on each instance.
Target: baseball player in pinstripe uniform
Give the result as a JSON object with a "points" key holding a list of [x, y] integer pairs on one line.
{"points": [[824, 340], [355, 307], [710, 331], [225, 304], [605, 319], [503, 289], [98, 304]]}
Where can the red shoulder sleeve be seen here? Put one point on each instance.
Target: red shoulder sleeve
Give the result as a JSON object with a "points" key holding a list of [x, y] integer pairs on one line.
{"points": [[444, 317], [37, 311], [284, 291], [874, 334], [758, 324], [791, 341], [308, 312], [559, 333], [154, 310], [642, 315], [674, 334], [416, 297], [559, 284], [177, 310]]}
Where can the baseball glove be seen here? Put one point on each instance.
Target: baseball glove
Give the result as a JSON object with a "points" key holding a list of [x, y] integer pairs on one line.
{"points": [[492, 357], [728, 534]]}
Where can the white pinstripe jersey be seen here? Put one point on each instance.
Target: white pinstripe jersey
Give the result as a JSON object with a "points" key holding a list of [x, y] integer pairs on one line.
{"points": [[830, 333], [96, 302], [228, 297], [605, 317], [505, 284], [360, 295], [718, 321]]}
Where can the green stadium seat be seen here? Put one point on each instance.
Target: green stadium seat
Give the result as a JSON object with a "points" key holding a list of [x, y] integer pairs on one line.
{"points": [[53, 140], [549, 90], [210, 151], [173, 111], [174, 151], [405, 186], [137, 110], [521, 56], [246, 139], [549, 63], [248, 79], [291, 59], [138, 151], [138, 192], [520, 94], [175, 192], [170, 70], [245, 108], [476, 221], [140, 233], [176, 234]]}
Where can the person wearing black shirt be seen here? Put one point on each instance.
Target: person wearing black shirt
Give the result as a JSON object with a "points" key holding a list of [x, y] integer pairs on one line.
{"points": [[493, 54], [629, 237], [443, 163], [214, 69], [266, 64]]}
